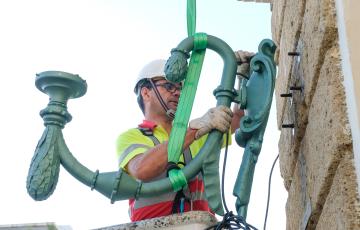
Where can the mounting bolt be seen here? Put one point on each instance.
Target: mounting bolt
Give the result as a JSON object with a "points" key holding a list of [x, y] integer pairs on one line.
{"points": [[296, 88], [293, 53], [288, 126], [286, 95]]}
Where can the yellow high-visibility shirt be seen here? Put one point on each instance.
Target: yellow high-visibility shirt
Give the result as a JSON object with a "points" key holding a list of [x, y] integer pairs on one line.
{"points": [[132, 143]]}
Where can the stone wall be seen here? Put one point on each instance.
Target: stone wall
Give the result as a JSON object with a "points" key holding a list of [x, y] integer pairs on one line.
{"points": [[316, 156]]}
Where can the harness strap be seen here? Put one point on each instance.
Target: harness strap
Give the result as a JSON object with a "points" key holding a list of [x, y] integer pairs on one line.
{"points": [[187, 155], [150, 133], [146, 131], [178, 204], [154, 139]]}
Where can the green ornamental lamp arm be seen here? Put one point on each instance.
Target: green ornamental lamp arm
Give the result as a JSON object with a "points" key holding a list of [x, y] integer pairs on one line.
{"points": [[61, 86], [52, 151]]}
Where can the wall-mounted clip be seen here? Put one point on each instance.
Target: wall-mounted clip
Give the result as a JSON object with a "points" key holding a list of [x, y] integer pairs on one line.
{"points": [[288, 126], [293, 53], [296, 88], [286, 95]]}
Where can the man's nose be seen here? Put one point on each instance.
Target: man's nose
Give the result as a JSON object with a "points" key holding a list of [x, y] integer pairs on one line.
{"points": [[177, 92]]}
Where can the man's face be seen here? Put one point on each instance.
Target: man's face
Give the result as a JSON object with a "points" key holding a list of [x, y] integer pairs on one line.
{"points": [[170, 92]]}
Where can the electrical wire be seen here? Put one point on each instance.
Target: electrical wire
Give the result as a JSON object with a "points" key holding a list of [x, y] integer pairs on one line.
{"points": [[223, 174], [269, 186]]}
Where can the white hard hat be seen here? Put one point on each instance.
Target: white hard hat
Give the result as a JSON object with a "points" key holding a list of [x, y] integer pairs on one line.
{"points": [[153, 69]]}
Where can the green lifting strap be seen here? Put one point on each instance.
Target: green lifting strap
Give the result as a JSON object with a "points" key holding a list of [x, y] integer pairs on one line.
{"points": [[186, 101], [177, 179], [191, 17]]}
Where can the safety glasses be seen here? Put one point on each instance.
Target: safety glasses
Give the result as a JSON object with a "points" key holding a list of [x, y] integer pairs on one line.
{"points": [[170, 87]]}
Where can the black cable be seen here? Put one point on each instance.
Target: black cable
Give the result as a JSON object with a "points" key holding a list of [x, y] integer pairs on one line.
{"points": [[223, 173], [231, 221], [269, 185]]}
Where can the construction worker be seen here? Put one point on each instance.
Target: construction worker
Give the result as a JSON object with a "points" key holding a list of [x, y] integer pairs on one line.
{"points": [[142, 151]]}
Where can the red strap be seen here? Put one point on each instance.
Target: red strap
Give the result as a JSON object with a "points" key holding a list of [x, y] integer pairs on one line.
{"points": [[148, 124]]}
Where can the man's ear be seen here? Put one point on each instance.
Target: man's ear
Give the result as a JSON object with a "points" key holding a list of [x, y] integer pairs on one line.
{"points": [[145, 93]]}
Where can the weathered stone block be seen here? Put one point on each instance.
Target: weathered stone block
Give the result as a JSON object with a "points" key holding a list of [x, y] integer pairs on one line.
{"points": [[298, 207], [277, 18], [290, 32], [327, 133], [290, 139], [342, 207], [286, 157], [287, 152], [318, 34]]}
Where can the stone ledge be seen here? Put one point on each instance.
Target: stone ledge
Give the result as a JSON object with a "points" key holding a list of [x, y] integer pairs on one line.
{"points": [[263, 1], [35, 226], [188, 220]]}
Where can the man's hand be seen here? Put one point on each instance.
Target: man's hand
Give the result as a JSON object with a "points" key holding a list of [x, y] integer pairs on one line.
{"points": [[216, 118], [243, 59]]}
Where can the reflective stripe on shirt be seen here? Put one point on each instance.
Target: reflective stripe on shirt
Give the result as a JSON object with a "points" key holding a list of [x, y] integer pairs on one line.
{"points": [[130, 149]]}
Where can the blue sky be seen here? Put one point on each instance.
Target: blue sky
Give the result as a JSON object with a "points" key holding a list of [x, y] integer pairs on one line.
{"points": [[107, 42]]}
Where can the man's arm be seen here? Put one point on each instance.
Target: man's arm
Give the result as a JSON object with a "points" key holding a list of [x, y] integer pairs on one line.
{"points": [[153, 162]]}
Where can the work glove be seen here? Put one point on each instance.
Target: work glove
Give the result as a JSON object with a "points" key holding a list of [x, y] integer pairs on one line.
{"points": [[215, 118], [243, 60]]}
